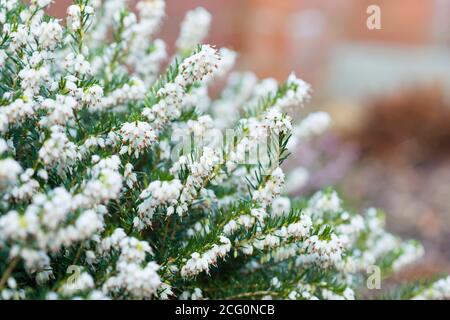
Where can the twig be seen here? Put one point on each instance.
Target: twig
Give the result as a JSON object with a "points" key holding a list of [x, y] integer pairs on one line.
{"points": [[8, 271]]}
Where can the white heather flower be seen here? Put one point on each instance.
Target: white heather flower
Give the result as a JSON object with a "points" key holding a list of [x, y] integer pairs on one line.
{"points": [[197, 98], [169, 106], [194, 265], [197, 294], [314, 124], [147, 65], [3, 146], [201, 262], [275, 282], [411, 252], [49, 34], [194, 29], [198, 128], [136, 137], [230, 227], [129, 175], [267, 241], [3, 57], [18, 227], [296, 179], [16, 111], [77, 64], [132, 91], [53, 207], [93, 96], [265, 87], [247, 221], [74, 13], [281, 206], [259, 214], [9, 171], [160, 193], [59, 111], [133, 250], [237, 90], [227, 62], [199, 67], [279, 123], [19, 37], [105, 184], [82, 282], [300, 229], [58, 151], [296, 95], [324, 202], [293, 295], [165, 291], [322, 253], [32, 79], [440, 290], [88, 223], [26, 187], [247, 249], [151, 13], [349, 294], [271, 189]]}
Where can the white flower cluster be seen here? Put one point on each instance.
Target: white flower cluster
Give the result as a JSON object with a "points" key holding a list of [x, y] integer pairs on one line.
{"points": [[279, 123], [136, 137], [325, 253], [298, 92], [440, 290], [275, 240], [34, 233], [174, 195], [296, 179], [9, 171], [201, 262], [58, 151], [197, 294], [117, 99], [322, 203], [246, 221], [82, 282], [271, 189], [132, 274], [12, 292], [194, 29], [238, 90], [378, 243], [281, 206], [314, 124], [198, 68], [159, 193], [15, 112], [76, 14], [77, 64], [60, 110]]}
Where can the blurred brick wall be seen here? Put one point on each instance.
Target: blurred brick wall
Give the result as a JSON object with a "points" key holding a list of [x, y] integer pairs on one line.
{"points": [[277, 36]]}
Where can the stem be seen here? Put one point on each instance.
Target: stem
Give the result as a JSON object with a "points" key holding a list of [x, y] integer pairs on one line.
{"points": [[77, 120], [8, 271], [77, 255]]}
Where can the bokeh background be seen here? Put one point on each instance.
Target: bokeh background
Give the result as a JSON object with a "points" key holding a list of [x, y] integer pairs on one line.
{"points": [[388, 91]]}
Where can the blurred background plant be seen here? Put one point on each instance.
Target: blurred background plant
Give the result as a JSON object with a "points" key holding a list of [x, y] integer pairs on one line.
{"points": [[387, 90]]}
